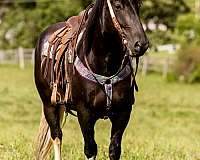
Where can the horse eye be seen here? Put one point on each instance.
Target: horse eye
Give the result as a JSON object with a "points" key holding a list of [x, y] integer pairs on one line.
{"points": [[118, 5]]}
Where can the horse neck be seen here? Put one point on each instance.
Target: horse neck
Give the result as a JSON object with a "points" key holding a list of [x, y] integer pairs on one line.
{"points": [[106, 54]]}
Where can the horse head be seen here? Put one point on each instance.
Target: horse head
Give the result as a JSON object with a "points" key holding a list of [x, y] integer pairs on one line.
{"points": [[122, 17]]}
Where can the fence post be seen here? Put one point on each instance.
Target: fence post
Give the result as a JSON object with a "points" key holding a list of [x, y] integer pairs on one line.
{"points": [[197, 9], [165, 68], [33, 57], [21, 57], [1, 57]]}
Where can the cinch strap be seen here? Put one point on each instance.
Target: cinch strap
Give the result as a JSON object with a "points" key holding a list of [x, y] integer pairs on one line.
{"points": [[108, 90]]}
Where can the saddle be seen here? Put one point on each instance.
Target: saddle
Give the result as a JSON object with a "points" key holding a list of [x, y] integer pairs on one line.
{"points": [[61, 50]]}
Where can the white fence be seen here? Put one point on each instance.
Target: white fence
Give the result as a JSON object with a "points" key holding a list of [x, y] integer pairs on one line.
{"points": [[169, 48], [23, 56], [19, 56], [162, 65]]}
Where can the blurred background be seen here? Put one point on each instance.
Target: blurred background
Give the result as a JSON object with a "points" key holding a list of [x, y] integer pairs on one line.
{"points": [[165, 123]]}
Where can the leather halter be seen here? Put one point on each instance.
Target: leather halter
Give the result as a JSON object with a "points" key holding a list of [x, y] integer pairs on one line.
{"points": [[116, 23]]}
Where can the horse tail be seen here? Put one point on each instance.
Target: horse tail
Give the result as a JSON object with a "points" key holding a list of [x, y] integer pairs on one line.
{"points": [[43, 141]]}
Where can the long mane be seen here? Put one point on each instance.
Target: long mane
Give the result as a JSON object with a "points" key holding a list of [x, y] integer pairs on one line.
{"points": [[90, 27], [92, 20]]}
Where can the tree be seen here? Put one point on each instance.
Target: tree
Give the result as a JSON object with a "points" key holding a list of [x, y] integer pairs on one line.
{"points": [[163, 12], [23, 22], [85, 3]]}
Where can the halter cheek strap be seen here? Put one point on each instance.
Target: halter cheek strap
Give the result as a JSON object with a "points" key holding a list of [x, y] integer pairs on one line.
{"points": [[116, 23], [124, 41]]}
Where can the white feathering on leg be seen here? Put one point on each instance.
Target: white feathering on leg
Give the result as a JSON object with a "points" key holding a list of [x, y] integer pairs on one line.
{"points": [[57, 148], [92, 158]]}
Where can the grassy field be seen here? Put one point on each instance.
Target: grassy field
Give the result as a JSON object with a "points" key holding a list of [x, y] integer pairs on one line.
{"points": [[165, 123]]}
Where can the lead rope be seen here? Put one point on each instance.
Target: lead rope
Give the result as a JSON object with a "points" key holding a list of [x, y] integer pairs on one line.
{"points": [[134, 82]]}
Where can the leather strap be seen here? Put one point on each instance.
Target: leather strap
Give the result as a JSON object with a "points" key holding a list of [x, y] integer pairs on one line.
{"points": [[107, 82]]}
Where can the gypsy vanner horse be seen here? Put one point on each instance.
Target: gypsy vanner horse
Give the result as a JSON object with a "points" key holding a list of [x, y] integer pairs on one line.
{"points": [[102, 80]]}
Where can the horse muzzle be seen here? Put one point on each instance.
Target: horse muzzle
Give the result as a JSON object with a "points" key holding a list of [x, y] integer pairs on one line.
{"points": [[139, 49]]}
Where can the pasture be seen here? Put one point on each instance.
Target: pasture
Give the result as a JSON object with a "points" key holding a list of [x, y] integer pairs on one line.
{"points": [[165, 122]]}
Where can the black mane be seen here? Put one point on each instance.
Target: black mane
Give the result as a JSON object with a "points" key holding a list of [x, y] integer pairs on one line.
{"points": [[92, 20], [90, 27]]}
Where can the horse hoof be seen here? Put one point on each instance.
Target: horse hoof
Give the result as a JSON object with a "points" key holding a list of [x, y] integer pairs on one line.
{"points": [[92, 158]]}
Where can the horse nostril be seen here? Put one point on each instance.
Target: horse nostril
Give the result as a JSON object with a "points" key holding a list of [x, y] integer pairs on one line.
{"points": [[141, 47], [137, 47]]}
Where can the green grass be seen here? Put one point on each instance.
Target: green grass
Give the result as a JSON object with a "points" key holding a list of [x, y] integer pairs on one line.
{"points": [[165, 122]]}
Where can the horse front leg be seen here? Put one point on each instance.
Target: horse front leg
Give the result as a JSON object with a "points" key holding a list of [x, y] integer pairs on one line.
{"points": [[87, 122], [119, 123]]}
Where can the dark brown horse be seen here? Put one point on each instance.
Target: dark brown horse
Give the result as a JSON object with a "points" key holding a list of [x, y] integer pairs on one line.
{"points": [[102, 84]]}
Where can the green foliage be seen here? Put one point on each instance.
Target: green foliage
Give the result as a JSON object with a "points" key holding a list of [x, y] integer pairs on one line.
{"points": [[188, 65], [158, 37], [162, 11], [188, 26], [85, 3], [22, 24]]}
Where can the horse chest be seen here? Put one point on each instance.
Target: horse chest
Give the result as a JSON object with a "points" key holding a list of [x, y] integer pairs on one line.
{"points": [[96, 98], [100, 90]]}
